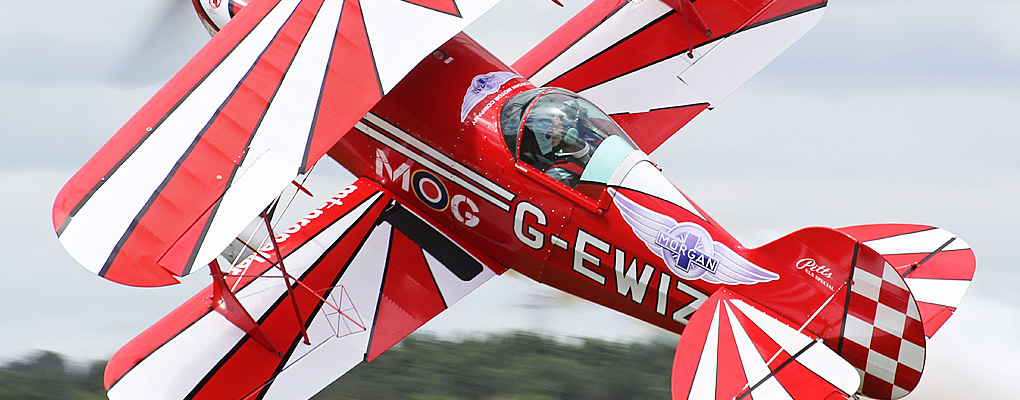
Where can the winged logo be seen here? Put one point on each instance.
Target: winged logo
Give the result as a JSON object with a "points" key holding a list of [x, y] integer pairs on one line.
{"points": [[688, 249], [481, 86]]}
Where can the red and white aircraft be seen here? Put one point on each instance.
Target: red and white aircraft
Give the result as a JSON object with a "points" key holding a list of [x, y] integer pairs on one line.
{"points": [[468, 167]]}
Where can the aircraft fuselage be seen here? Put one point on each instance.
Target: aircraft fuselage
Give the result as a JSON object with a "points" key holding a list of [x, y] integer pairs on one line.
{"points": [[442, 152]]}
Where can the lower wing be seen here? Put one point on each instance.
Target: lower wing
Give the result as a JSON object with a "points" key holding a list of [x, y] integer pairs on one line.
{"points": [[361, 273]]}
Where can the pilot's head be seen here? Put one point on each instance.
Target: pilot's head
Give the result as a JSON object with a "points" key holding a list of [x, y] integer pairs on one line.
{"points": [[571, 145], [556, 129]]}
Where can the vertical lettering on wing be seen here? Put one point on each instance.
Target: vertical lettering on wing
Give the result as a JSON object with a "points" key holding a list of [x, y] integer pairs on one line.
{"points": [[627, 277]]}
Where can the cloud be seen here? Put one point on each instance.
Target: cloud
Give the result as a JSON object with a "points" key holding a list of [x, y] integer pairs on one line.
{"points": [[974, 355], [66, 40]]}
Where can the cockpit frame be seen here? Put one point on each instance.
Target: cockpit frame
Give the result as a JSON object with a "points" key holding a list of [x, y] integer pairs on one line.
{"points": [[557, 136]]}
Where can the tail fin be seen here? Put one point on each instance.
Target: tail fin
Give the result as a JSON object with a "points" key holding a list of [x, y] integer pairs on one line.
{"points": [[867, 315], [837, 290], [892, 286], [936, 265]]}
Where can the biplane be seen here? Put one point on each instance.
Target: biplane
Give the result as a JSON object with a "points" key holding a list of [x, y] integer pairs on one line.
{"points": [[467, 167]]}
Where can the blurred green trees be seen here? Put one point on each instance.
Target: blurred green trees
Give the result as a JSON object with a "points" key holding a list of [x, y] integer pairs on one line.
{"points": [[519, 366], [44, 376]]}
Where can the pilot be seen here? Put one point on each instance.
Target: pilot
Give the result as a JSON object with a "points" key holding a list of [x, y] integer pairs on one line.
{"points": [[571, 154], [552, 143]]}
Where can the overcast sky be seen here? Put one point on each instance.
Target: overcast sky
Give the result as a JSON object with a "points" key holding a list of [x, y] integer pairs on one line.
{"points": [[889, 111]]}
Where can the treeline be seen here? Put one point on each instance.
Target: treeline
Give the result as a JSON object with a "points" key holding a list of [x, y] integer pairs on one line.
{"points": [[519, 366], [45, 376]]}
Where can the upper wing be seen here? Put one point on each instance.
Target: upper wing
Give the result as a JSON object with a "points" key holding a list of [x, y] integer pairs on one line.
{"points": [[654, 65], [368, 271], [259, 104], [733, 349]]}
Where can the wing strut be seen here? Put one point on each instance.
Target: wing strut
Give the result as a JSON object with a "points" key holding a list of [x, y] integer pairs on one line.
{"points": [[225, 303], [286, 277], [691, 16], [317, 293]]}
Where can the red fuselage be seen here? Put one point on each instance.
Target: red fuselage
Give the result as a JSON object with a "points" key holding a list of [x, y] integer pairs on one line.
{"points": [[460, 174]]}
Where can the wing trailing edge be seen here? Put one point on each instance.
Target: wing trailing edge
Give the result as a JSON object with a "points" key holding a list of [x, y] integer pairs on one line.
{"points": [[361, 284]]}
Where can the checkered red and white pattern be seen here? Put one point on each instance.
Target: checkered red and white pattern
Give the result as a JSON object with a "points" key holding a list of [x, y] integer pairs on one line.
{"points": [[937, 265], [883, 336]]}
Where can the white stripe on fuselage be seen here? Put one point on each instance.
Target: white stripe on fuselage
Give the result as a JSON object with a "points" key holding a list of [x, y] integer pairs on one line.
{"points": [[407, 152], [440, 157]]}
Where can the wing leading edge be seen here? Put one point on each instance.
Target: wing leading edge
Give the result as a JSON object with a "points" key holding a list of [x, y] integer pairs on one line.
{"points": [[259, 104], [364, 283]]}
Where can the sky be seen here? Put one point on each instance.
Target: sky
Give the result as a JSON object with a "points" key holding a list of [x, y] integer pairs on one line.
{"points": [[888, 111]]}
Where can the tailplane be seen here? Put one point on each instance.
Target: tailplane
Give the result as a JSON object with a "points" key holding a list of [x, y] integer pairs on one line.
{"points": [[871, 294]]}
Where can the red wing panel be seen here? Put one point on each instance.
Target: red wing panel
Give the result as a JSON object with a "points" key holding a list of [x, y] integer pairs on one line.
{"points": [[936, 265], [657, 125], [443, 6], [174, 209], [260, 103], [322, 228], [410, 296], [734, 349], [353, 77], [363, 286]]}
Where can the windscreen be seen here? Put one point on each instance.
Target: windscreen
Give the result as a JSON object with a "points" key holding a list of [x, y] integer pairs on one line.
{"points": [[566, 136]]}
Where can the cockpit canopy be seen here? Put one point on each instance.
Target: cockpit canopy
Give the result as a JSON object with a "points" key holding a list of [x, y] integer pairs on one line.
{"points": [[565, 136]]}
